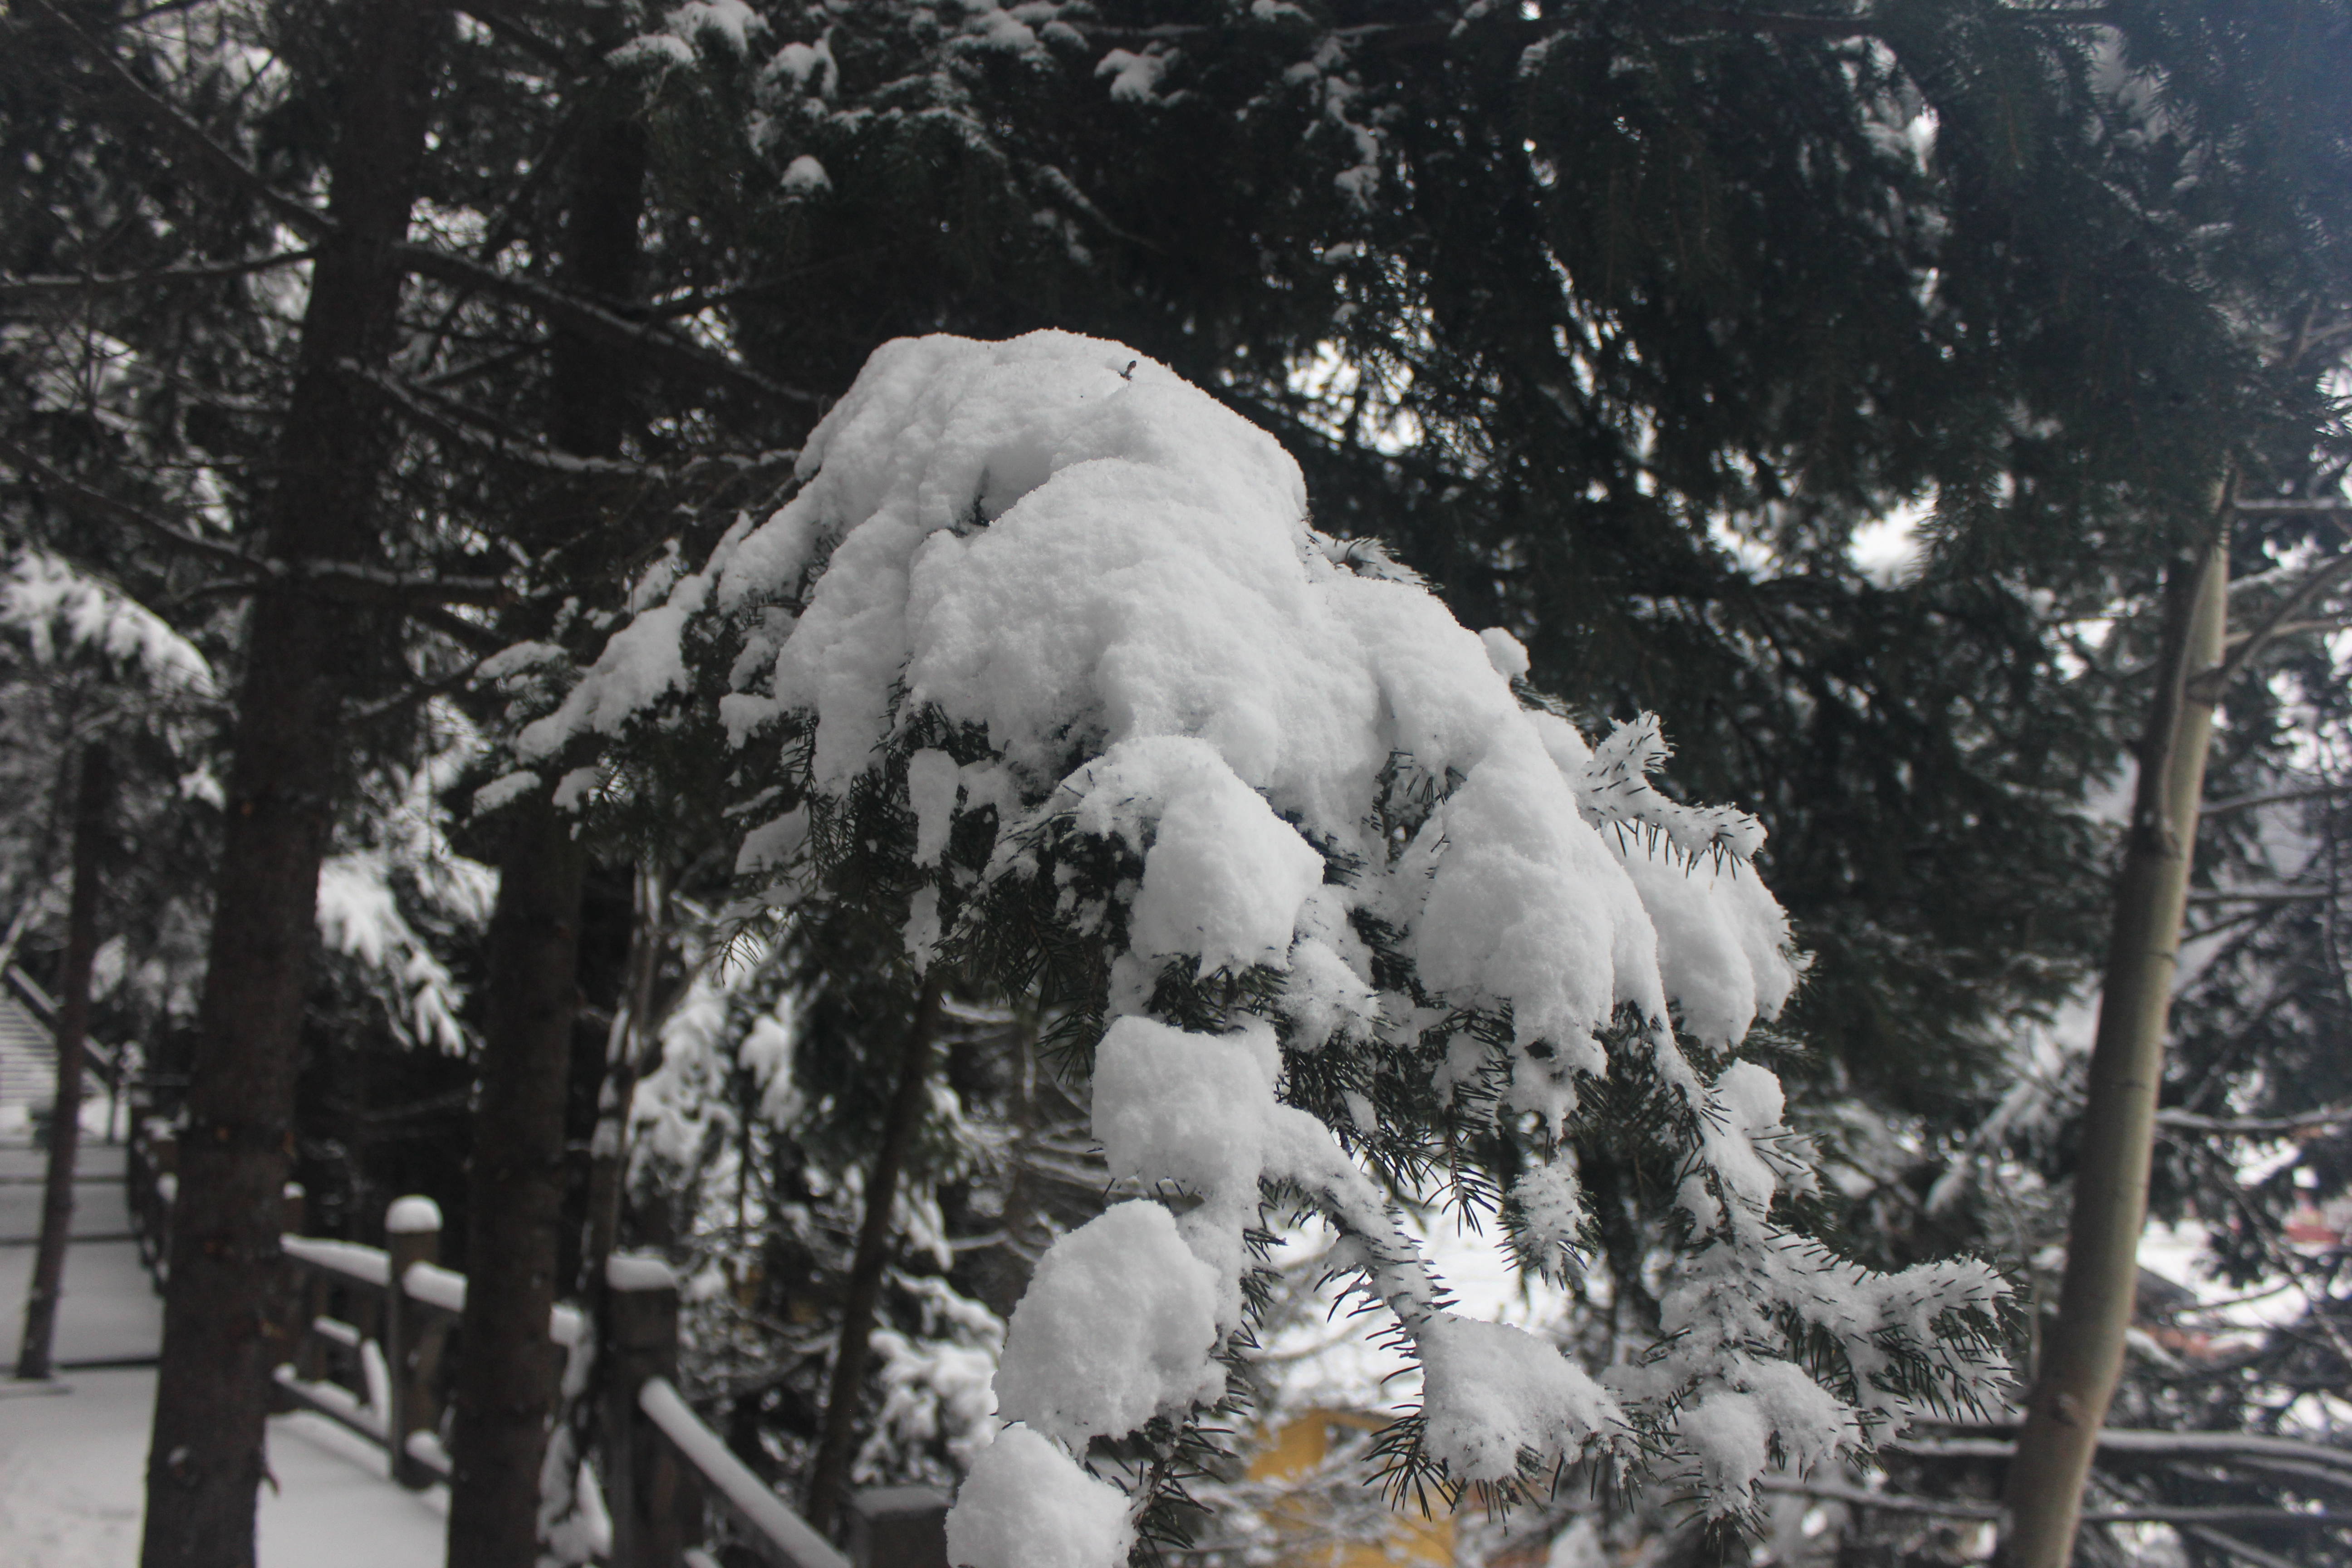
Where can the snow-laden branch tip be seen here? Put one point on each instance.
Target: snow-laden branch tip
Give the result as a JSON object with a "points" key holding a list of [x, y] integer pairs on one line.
{"points": [[59, 608], [1046, 629]]}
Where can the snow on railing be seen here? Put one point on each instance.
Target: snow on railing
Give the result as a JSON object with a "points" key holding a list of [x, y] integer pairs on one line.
{"points": [[368, 1356], [349, 1258], [354, 1325], [444, 1288], [749, 1497], [335, 1400]]}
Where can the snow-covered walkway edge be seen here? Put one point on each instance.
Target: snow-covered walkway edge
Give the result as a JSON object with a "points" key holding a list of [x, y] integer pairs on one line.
{"points": [[73, 1451], [73, 1465]]}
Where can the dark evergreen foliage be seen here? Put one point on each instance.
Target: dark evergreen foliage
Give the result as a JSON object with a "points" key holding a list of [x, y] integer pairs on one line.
{"points": [[1633, 315]]}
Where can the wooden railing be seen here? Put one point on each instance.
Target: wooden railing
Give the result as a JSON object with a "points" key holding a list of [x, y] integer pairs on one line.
{"points": [[150, 1175], [370, 1350], [370, 1356]]}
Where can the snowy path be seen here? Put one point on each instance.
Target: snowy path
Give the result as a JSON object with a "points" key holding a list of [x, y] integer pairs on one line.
{"points": [[73, 1452], [110, 1312]]}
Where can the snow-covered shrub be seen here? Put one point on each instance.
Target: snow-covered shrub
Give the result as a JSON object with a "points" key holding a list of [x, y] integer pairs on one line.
{"points": [[1046, 658]]}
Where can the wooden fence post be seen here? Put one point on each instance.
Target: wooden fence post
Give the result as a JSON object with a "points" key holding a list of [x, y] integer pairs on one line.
{"points": [[412, 1234], [157, 1191], [310, 1349], [138, 1177], [304, 1302], [656, 1502], [899, 1526]]}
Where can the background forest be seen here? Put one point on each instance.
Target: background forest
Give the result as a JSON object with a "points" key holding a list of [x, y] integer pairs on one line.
{"points": [[1851, 386]]}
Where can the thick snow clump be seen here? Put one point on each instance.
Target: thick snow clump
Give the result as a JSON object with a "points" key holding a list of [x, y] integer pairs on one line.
{"points": [[1114, 576], [1052, 588]]}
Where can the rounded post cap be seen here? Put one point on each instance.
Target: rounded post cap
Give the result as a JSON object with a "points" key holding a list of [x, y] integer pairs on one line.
{"points": [[638, 1271], [408, 1215]]}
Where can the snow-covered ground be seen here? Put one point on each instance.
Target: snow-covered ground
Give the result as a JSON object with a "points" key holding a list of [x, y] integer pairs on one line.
{"points": [[73, 1452], [73, 1460]]}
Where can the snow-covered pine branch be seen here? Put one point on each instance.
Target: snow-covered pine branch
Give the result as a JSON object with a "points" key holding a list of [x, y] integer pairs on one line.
{"points": [[59, 608], [1045, 654]]}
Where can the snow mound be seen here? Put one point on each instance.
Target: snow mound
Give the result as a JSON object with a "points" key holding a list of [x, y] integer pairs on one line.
{"points": [[1118, 1325], [1026, 1504], [1063, 545]]}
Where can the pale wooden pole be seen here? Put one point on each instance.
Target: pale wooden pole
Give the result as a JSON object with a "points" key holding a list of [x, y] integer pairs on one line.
{"points": [[2082, 1353]]}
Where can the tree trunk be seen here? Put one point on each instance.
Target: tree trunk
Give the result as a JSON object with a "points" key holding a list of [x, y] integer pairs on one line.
{"points": [[73, 1027], [505, 1386], [2082, 1353], [830, 1475], [506, 1372], [302, 655]]}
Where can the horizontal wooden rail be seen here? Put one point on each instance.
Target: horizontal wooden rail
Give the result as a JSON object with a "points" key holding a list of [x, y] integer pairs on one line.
{"points": [[444, 1290], [781, 1537], [361, 1265], [334, 1401], [367, 1354]]}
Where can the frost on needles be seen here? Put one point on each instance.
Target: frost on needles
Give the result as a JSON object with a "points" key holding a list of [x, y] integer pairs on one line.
{"points": [[1046, 659]]}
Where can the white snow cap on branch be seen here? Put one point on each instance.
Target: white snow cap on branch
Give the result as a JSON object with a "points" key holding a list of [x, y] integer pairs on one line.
{"points": [[53, 603], [1102, 586], [1052, 538]]}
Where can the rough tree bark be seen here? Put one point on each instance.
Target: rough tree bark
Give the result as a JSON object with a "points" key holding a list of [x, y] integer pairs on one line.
{"points": [[506, 1385], [303, 652], [505, 1377], [90, 795], [2083, 1352], [829, 1476]]}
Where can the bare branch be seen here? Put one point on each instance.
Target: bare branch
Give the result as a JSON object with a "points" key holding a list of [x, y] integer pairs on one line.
{"points": [[2296, 628], [452, 420], [499, 19], [696, 300], [2239, 1549], [2278, 579], [456, 421], [1772, 21], [2257, 1127], [356, 584], [2144, 1513], [2294, 506], [341, 579], [2135, 1440], [662, 347], [409, 697], [191, 137], [479, 639], [2283, 797], [2208, 686], [92, 500], [2262, 895], [38, 287], [1719, 18], [350, 580]]}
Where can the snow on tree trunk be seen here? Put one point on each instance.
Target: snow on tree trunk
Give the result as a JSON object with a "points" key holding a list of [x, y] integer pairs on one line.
{"points": [[1046, 653]]}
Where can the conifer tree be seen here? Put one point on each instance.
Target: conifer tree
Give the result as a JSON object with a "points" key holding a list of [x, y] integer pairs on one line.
{"points": [[1596, 293], [211, 1394]]}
